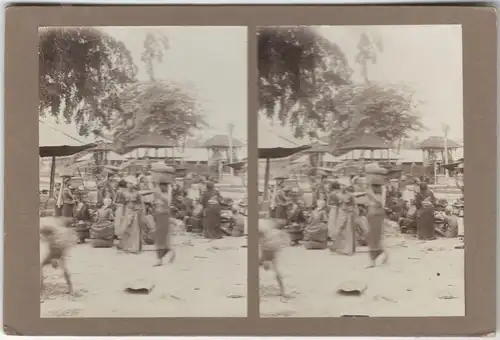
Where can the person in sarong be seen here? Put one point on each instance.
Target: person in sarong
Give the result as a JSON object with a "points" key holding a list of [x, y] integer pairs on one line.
{"points": [[131, 240], [333, 207], [425, 202], [83, 217], [375, 192], [279, 201], [296, 219], [162, 218], [211, 201], [120, 201], [102, 231], [316, 232], [344, 241], [68, 199]]}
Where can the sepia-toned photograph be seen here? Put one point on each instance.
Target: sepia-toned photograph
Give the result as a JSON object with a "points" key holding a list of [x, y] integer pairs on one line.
{"points": [[143, 147], [361, 171]]}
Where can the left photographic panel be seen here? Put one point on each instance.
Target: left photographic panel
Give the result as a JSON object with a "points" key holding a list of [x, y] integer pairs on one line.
{"points": [[143, 185]]}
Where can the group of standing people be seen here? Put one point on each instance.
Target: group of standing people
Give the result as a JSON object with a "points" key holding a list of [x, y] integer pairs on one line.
{"points": [[139, 208], [336, 214]]}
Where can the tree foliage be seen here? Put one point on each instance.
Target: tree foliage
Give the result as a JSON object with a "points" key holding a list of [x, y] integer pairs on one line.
{"points": [[305, 83], [297, 69], [83, 71], [388, 111], [156, 106]]}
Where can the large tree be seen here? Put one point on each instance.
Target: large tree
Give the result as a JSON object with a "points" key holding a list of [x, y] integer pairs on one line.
{"points": [[389, 112], [83, 71], [298, 72], [156, 106]]}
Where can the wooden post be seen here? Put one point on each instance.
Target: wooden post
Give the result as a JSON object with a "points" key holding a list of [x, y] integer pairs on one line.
{"points": [[230, 138], [266, 179], [52, 176]]}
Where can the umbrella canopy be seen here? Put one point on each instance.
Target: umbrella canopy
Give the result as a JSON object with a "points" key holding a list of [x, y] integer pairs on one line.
{"points": [[238, 165], [366, 142], [221, 142], [103, 146], [62, 150], [437, 143], [272, 145], [55, 143], [452, 166], [152, 140], [318, 148]]}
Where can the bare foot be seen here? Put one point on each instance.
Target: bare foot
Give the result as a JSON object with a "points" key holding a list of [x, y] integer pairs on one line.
{"points": [[284, 297], [386, 258], [172, 257], [370, 266], [158, 264]]}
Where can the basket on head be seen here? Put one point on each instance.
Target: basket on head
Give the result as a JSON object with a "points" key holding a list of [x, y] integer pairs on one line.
{"points": [[376, 174], [162, 173]]}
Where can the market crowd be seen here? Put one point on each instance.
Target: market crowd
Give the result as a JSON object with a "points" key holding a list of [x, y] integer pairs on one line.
{"points": [[129, 211], [351, 211]]}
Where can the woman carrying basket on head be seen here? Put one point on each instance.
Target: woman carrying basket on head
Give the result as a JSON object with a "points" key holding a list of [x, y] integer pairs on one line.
{"points": [[162, 176]]}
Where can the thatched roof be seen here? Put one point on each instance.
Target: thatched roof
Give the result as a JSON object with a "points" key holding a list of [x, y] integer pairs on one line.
{"points": [[222, 142], [437, 143], [152, 140], [366, 142]]}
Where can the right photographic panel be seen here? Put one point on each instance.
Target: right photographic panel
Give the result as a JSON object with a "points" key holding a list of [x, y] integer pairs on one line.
{"points": [[361, 171]]}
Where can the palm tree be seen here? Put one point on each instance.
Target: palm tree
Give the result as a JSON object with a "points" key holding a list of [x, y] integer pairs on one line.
{"points": [[368, 47]]}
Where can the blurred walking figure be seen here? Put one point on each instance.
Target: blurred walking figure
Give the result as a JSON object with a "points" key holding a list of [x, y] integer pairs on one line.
{"points": [[55, 241], [270, 242]]}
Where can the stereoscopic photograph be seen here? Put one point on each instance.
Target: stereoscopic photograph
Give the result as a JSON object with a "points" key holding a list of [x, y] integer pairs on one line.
{"points": [[143, 146], [361, 171]]}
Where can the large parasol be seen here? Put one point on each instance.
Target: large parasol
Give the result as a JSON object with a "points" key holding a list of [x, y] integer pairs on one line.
{"points": [[272, 146], [55, 143]]}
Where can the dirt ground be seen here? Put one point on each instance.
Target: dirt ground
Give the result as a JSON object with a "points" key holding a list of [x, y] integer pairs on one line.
{"points": [[207, 279], [422, 278]]}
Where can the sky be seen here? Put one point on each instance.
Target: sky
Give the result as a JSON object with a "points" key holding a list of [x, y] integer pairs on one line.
{"points": [[426, 57], [210, 61]]}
